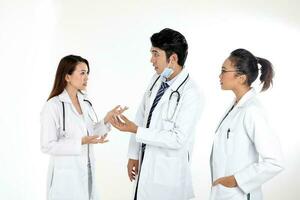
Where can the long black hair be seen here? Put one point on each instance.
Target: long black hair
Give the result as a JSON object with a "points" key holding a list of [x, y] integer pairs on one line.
{"points": [[246, 63]]}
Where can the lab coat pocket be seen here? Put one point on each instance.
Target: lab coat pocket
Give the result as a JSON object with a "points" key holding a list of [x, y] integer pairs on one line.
{"points": [[167, 171], [229, 142], [226, 193], [65, 184]]}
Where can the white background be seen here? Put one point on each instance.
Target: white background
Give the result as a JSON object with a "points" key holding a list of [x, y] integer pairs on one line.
{"points": [[114, 37]]}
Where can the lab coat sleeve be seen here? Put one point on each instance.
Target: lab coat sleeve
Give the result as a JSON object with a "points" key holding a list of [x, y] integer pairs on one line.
{"points": [[179, 132], [101, 128], [134, 146], [50, 143], [268, 147]]}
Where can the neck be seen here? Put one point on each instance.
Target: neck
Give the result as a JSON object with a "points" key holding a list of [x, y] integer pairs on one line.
{"points": [[177, 69], [71, 91], [239, 93]]}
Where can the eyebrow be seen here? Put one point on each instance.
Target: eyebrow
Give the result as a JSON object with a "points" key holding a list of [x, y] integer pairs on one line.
{"points": [[154, 51]]}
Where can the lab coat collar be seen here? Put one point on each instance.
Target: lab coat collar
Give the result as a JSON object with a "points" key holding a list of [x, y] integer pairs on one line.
{"points": [[248, 95], [64, 96], [179, 79]]}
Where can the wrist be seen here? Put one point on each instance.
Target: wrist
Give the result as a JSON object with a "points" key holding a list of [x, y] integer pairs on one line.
{"points": [[135, 128]]}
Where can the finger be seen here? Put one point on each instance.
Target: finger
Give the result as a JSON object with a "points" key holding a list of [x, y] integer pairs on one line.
{"points": [[137, 168], [122, 110], [120, 122], [124, 118], [91, 138], [129, 169], [104, 136], [115, 118], [216, 182], [104, 141], [115, 108]]}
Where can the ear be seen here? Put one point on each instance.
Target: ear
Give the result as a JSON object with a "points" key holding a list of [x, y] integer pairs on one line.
{"points": [[174, 58], [243, 79], [67, 78]]}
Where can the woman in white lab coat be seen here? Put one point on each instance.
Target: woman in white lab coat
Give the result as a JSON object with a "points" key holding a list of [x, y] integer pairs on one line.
{"points": [[68, 129], [246, 153]]}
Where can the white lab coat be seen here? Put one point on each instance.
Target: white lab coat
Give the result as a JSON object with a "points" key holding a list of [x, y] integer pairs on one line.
{"points": [[246, 147], [165, 173], [68, 171]]}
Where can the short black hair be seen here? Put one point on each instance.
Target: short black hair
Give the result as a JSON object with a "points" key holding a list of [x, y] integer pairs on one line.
{"points": [[171, 41]]}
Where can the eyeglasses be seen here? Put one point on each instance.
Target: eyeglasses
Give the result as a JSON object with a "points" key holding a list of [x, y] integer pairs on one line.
{"points": [[223, 71]]}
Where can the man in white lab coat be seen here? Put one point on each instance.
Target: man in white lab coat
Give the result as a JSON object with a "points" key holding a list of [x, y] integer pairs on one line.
{"points": [[163, 132]]}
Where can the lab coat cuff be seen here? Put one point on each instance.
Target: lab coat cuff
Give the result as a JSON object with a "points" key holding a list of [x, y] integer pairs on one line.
{"points": [[241, 180], [132, 155], [141, 134], [101, 128]]}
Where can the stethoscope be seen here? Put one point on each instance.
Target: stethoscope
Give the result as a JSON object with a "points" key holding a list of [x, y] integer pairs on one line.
{"points": [[176, 92], [64, 115]]}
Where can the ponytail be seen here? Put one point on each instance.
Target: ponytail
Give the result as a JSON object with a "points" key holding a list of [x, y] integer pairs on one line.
{"points": [[267, 73]]}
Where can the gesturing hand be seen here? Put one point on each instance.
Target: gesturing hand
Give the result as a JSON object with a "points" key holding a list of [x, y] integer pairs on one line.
{"points": [[94, 139], [125, 125], [112, 115]]}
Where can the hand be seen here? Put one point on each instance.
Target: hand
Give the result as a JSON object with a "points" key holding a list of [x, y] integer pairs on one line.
{"points": [[112, 115], [228, 181], [125, 125], [132, 169], [94, 139]]}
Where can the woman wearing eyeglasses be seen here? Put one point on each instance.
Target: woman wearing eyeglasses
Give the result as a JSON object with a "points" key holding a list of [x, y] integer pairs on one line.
{"points": [[246, 153]]}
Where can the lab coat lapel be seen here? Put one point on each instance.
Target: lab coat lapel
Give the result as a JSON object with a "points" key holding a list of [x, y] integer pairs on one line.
{"points": [[240, 104], [64, 97], [180, 78], [81, 98]]}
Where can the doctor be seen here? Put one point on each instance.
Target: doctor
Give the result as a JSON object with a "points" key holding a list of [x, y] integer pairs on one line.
{"points": [[246, 153], [163, 133], [68, 128]]}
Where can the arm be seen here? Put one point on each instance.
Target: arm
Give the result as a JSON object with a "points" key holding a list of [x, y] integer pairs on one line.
{"points": [[185, 123], [133, 149], [268, 147], [50, 143]]}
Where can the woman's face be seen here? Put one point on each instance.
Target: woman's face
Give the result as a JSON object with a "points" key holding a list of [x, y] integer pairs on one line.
{"points": [[78, 79], [228, 78]]}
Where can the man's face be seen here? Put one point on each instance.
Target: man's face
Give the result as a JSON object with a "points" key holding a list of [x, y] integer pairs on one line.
{"points": [[158, 59]]}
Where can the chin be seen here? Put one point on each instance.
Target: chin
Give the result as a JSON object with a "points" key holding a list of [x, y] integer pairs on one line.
{"points": [[224, 88]]}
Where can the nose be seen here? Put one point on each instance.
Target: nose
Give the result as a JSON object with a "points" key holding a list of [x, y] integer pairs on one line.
{"points": [[152, 60]]}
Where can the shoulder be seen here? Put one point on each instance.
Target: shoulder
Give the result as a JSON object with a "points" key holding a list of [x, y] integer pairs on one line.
{"points": [[52, 105], [193, 89], [254, 110]]}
